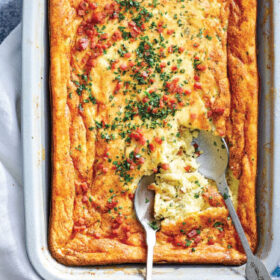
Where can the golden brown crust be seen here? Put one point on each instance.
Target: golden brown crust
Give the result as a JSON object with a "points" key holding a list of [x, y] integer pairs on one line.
{"points": [[62, 175], [241, 131]]}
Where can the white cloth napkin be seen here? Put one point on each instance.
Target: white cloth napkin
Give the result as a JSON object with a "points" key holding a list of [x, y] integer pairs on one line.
{"points": [[14, 264]]}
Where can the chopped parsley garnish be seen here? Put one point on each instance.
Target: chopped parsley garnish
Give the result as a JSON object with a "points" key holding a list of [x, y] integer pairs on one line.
{"points": [[154, 225], [219, 226], [78, 148]]}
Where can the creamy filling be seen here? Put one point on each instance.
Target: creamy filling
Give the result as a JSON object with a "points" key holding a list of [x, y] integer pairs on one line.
{"points": [[179, 187]]}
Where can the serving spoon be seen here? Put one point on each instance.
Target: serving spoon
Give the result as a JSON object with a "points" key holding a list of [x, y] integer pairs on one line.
{"points": [[213, 163]]}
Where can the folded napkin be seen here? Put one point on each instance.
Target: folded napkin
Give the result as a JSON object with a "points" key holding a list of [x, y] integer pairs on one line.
{"points": [[14, 263]]}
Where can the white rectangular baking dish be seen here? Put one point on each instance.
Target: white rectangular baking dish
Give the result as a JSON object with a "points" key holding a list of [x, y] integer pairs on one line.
{"points": [[36, 131]]}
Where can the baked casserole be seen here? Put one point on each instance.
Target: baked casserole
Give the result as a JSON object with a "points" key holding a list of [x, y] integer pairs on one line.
{"points": [[132, 83]]}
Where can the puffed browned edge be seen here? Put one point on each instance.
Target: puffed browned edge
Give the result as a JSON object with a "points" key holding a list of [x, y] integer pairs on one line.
{"points": [[241, 129]]}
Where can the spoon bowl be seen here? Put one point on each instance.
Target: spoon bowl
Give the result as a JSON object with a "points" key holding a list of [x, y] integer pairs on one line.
{"points": [[213, 160], [144, 200]]}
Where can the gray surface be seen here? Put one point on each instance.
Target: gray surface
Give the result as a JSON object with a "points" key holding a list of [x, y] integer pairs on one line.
{"points": [[10, 16]]}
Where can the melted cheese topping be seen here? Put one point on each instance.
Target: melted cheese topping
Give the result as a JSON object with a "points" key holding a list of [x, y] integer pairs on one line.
{"points": [[144, 77]]}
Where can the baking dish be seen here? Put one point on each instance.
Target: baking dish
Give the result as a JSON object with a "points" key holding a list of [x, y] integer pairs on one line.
{"points": [[36, 150]]}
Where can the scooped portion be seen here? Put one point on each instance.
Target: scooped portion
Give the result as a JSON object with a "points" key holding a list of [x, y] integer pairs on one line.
{"points": [[179, 188]]}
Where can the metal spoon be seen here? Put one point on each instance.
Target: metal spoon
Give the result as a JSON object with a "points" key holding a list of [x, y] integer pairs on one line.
{"points": [[143, 205], [213, 163]]}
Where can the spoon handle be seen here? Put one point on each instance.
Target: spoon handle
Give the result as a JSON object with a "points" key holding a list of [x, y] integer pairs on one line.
{"points": [[224, 190], [150, 240], [255, 270]]}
